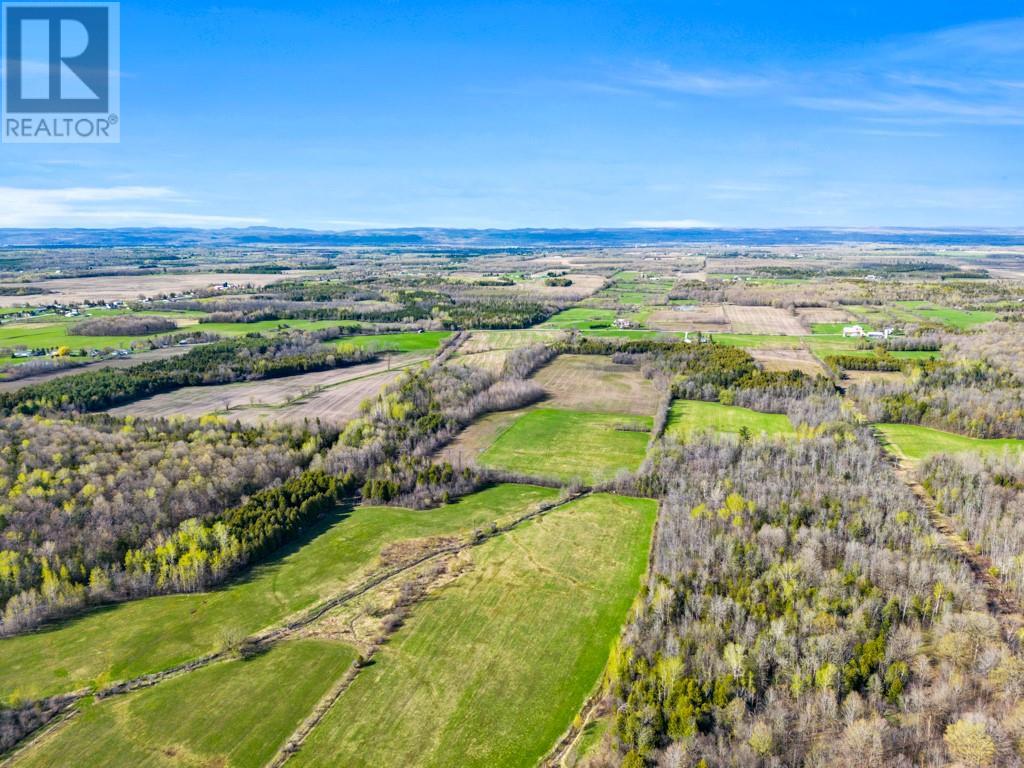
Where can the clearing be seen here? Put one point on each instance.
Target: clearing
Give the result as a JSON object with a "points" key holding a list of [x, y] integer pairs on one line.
{"points": [[570, 445], [117, 642], [595, 383], [688, 417], [492, 669], [788, 360], [911, 442]]}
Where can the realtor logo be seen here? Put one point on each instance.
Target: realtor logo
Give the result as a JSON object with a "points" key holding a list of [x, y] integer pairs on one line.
{"points": [[61, 78]]}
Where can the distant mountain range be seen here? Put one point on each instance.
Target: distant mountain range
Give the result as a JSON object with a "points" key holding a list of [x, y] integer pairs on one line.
{"points": [[427, 237]]}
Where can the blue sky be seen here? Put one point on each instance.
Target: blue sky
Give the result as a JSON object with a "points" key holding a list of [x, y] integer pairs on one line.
{"points": [[577, 114]]}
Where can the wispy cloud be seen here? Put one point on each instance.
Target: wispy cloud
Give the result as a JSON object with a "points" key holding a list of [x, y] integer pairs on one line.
{"points": [[104, 207], [971, 74], [660, 76]]}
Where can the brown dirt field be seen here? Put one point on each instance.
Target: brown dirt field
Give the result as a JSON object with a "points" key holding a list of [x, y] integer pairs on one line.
{"points": [[114, 362], [486, 341], [332, 406], [341, 391], [862, 377], [788, 360], [824, 315], [763, 320], [686, 317], [595, 383], [129, 287], [492, 361], [477, 437]]}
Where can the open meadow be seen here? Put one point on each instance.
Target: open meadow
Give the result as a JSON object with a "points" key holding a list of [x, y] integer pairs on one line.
{"points": [[692, 417], [233, 714], [491, 670], [124, 640], [915, 443], [568, 445]]}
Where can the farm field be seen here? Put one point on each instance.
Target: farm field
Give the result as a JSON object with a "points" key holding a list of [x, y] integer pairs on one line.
{"points": [[814, 315], [690, 317], [567, 445], [912, 442], [492, 360], [581, 318], [466, 448], [333, 405], [689, 417], [488, 341], [427, 341], [757, 341], [128, 639], [763, 320], [75, 290], [233, 714], [491, 669], [595, 383], [49, 335], [333, 395], [788, 360]]}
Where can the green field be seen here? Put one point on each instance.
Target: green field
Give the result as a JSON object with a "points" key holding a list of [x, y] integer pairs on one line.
{"points": [[399, 342], [962, 319], [688, 417], [231, 714], [48, 335], [757, 341], [568, 445], [628, 333], [581, 318], [121, 641], [915, 443], [492, 669]]}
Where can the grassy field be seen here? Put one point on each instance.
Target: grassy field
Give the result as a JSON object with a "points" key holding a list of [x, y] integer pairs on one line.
{"points": [[121, 641], [687, 417], [567, 445], [490, 670], [915, 443], [963, 319], [233, 714], [427, 341], [581, 318], [756, 341], [624, 333], [48, 335]]}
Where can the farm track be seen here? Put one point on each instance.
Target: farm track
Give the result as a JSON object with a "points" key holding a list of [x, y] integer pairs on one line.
{"points": [[263, 641], [1001, 603]]}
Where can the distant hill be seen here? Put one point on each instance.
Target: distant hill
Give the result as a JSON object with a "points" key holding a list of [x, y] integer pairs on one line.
{"points": [[426, 237]]}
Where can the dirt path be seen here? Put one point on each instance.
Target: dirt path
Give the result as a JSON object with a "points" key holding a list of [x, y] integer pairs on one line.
{"points": [[1001, 602]]}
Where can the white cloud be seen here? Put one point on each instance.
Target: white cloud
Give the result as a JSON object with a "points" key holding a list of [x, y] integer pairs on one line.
{"points": [[664, 77], [123, 206]]}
